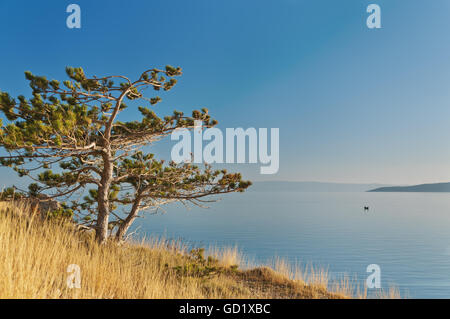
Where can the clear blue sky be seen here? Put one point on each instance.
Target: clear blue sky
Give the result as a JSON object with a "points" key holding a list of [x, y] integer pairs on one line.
{"points": [[352, 104]]}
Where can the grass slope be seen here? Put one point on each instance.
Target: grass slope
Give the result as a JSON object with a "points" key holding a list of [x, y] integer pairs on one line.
{"points": [[35, 255]]}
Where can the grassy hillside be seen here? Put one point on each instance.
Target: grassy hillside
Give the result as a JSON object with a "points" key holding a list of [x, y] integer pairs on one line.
{"points": [[35, 255]]}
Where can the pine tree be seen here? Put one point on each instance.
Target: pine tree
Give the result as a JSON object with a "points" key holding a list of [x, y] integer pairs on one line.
{"points": [[98, 161]]}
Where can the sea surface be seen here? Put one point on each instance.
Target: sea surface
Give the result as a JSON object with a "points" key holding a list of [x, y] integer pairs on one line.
{"points": [[406, 234]]}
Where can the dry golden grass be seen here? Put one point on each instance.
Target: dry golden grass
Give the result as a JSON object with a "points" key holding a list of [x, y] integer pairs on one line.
{"points": [[35, 255]]}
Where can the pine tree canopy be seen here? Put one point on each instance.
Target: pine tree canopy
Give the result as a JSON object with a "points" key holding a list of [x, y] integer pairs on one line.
{"points": [[67, 138]]}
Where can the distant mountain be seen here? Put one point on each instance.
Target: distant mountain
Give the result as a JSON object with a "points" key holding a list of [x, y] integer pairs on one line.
{"points": [[311, 187], [436, 188]]}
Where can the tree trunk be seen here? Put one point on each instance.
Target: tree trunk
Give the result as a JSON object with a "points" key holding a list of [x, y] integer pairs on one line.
{"points": [[106, 178], [123, 228], [101, 231]]}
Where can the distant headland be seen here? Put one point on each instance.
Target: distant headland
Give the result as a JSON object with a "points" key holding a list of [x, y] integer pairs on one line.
{"points": [[428, 188]]}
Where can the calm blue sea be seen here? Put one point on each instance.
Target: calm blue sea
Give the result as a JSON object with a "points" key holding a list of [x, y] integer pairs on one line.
{"points": [[406, 234]]}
